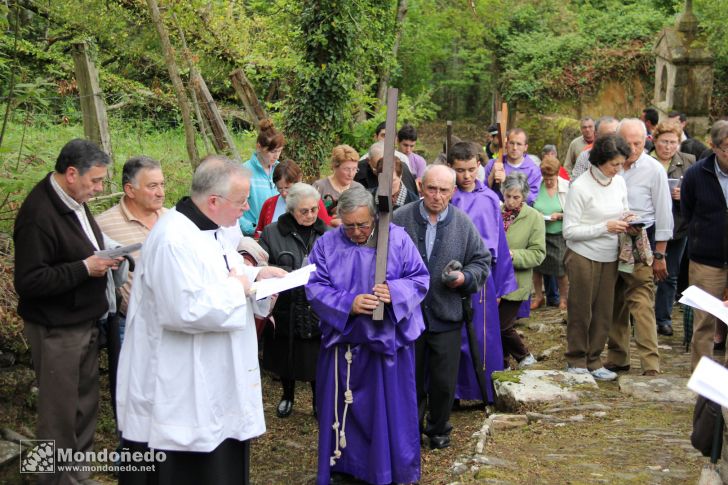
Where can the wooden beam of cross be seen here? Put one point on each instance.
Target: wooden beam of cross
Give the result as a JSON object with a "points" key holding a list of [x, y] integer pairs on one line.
{"points": [[384, 196], [448, 139], [502, 124]]}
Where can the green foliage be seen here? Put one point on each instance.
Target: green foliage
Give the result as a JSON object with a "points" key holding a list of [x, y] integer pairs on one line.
{"points": [[545, 56], [323, 83]]}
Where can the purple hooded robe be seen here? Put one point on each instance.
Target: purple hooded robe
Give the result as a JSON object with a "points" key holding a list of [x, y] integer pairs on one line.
{"points": [[381, 430], [483, 207], [528, 167]]}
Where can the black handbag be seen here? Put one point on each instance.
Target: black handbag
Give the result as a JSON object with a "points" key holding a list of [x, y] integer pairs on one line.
{"points": [[707, 435]]}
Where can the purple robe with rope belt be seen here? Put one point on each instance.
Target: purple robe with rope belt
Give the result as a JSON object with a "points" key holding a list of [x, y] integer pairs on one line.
{"points": [[483, 207], [381, 430]]}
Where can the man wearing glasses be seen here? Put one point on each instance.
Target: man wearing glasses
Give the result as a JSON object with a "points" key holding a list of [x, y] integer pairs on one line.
{"points": [[188, 382], [443, 235], [703, 197]]}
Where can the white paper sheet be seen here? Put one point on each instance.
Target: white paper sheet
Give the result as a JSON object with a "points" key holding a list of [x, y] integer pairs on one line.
{"points": [[271, 286], [697, 298], [708, 380], [546, 218], [673, 183], [118, 252]]}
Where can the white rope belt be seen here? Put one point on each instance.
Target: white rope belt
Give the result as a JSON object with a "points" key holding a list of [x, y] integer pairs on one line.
{"points": [[340, 436]]}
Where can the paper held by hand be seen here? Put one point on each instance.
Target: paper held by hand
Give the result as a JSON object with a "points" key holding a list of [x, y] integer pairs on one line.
{"points": [[119, 252], [271, 286], [547, 218], [697, 298], [708, 380]]}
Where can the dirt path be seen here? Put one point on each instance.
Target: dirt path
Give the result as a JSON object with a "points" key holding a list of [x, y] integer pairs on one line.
{"points": [[631, 442]]}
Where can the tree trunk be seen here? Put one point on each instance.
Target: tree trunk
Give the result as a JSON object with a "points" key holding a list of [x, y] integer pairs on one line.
{"points": [[179, 90], [384, 77]]}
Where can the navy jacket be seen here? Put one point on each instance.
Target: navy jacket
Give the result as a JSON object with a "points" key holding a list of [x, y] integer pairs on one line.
{"points": [[703, 205]]}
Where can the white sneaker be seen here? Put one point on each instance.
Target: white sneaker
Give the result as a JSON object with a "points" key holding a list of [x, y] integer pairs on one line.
{"points": [[577, 370], [527, 361], [603, 374]]}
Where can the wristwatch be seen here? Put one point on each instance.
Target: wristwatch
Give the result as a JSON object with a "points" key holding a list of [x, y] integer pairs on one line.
{"points": [[658, 255]]}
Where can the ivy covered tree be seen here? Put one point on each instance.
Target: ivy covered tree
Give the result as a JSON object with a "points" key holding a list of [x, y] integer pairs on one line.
{"points": [[319, 100]]}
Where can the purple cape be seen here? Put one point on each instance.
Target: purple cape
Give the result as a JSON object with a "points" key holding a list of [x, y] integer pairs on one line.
{"points": [[382, 430], [529, 167], [483, 208]]}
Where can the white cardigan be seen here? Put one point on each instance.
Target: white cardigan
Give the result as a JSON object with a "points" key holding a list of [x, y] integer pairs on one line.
{"points": [[588, 207]]}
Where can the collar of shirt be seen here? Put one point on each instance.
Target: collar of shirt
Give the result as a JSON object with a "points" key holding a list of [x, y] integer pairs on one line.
{"points": [[188, 209], [718, 171], [65, 198], [128, 214], [426, 215]]}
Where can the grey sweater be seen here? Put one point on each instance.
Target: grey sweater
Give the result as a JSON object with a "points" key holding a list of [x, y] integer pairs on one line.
{"points": [[457, 239]]}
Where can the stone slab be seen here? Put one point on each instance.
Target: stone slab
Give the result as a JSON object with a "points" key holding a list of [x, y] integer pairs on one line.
{"points": [[513, 389], [657, 389], [8, 451]]}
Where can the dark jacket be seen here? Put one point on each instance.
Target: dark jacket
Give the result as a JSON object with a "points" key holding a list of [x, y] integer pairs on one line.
{"points": [[368, 178], [51, 279], [679, 164], [457, 239], [287, 249], [410, 197], [704, 208]]}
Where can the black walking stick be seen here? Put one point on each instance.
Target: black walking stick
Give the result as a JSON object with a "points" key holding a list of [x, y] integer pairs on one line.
{"points": [[467, 306]]}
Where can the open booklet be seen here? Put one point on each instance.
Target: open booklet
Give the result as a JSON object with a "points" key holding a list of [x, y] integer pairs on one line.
{"points": [[697, 298], [708, 380], [271, 286]]}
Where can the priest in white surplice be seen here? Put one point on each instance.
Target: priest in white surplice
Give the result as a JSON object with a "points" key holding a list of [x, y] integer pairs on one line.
{"points": [[189, 382]]}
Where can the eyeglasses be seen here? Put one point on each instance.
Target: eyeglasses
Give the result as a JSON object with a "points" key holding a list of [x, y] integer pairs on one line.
{"points": [[723, 150], [305, 212], [667, 143], [349, 170], [238, 204], [353, 227]]}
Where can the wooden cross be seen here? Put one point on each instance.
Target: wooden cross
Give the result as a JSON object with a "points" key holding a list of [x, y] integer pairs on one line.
{"points": [[384, 196], [502, 124]]}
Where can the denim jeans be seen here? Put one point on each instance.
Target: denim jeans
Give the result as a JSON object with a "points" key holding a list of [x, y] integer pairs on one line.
{"points": [[551, 285], [666, 289]]}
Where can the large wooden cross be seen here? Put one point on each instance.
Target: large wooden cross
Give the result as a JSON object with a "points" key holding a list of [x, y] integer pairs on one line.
{"points": [[502, 124], [384, 196]]}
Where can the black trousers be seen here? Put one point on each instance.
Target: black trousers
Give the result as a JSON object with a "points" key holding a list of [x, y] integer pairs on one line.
{"points": [[512, 343], [437, 359], [228, 464]]}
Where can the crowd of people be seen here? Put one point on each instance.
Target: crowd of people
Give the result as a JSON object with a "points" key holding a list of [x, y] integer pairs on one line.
{"points": [[478, 239]]}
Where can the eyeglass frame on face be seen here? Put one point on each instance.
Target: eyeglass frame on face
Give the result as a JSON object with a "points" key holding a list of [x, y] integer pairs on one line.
{"points": [[353, 170], [665, 142], [350, 228], [239, 205], [305, 212], [723, 150]]}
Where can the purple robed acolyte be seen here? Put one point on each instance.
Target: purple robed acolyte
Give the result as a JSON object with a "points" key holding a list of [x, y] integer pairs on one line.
{"points": [[528, 167], [382, 435], [483, 208]]}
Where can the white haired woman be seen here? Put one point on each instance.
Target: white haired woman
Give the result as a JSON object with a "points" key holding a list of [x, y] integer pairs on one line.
{"points": [[290, 350]]}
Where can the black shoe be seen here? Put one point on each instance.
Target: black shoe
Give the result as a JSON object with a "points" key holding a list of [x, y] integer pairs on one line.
{"points": [[718, 346], [439, 441], [616, 368], [665, 329], [285, 408]]}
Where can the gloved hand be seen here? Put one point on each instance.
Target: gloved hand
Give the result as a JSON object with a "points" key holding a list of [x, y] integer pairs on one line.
{"points": [[449, 271]]}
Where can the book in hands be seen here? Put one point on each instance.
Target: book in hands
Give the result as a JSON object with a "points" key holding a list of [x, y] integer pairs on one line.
{"points": [[119, 252]]}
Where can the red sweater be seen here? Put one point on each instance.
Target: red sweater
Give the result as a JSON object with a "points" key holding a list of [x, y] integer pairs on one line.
{"points": [[269, 207]]}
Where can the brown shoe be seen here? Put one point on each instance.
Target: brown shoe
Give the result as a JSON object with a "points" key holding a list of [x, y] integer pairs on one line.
{"points": [[650, 373], [537, 303]]}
